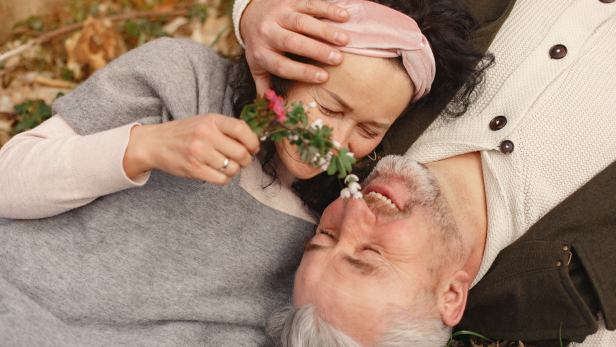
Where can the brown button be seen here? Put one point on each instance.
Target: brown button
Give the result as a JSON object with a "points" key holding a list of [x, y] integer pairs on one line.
{"points": [[565, 248], [558, 263], [506, 147], [558, 52], [498, 123], [607, 1]]}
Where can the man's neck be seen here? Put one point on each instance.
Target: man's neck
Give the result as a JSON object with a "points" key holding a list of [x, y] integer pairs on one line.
{"points": [[461, 181]]}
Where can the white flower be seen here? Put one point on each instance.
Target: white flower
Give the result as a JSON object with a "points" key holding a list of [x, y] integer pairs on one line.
{"points": [[263, 138], [349, 176], [317, 124], [351, 154], [315, 158], [354, 187], [358, 195], [325, 166], [330, 154], [310, 105], [322, 161], [345, 193], [336, 144], [293, 137]]}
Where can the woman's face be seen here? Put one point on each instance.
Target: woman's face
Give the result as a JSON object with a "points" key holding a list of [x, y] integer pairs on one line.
{"points": [[360, 101]]}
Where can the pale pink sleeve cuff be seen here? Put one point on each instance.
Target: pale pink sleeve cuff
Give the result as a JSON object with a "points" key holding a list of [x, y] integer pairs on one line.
{"points": [[50, 169]]}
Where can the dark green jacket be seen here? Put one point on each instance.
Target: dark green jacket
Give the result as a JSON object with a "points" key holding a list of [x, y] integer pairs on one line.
{"points": [[563, 270]]}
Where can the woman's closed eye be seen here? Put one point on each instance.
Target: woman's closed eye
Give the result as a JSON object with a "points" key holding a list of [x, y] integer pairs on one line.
{"points": [[367, 132], [328, 112]]}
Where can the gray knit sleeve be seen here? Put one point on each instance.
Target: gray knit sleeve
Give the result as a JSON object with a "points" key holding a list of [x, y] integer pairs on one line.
{"points": [[162, 80]]}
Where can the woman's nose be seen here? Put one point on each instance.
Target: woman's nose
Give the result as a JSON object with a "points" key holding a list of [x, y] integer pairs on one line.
{"points": [[342, 134]]}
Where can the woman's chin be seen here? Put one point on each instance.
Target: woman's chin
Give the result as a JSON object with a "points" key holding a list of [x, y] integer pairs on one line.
{"points": [[303, 171]]}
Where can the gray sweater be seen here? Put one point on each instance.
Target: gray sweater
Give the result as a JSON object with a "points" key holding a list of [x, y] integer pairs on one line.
{"points": [[176, 262]]}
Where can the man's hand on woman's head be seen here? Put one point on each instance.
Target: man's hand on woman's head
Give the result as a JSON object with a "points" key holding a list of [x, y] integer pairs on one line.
{"points": [[195, 147], [269, 28]]}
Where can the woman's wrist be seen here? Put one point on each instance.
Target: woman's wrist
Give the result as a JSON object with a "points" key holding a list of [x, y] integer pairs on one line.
{"points": [[136, 157]]}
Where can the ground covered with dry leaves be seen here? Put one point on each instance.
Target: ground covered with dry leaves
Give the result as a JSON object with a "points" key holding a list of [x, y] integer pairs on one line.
{"points": [[49, 56]]}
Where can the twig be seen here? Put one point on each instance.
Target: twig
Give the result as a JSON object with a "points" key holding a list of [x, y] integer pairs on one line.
{"points": [[50, 82], [73, 27]]}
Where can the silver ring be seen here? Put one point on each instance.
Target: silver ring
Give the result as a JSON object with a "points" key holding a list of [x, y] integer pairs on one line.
{"points": [[224, 165]]}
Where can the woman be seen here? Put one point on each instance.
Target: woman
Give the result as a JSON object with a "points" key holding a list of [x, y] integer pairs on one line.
{"points": [[177, 261]]}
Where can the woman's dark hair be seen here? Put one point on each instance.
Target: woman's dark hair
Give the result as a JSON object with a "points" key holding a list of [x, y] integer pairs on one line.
{"points": [[460, 68]]}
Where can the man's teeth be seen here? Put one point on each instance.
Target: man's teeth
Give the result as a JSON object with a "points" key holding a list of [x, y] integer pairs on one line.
{"points": [[384, 198]]}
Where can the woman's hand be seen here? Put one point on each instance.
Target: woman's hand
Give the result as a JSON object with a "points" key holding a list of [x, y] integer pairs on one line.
{"points": [[194, 147], [270, 28]]}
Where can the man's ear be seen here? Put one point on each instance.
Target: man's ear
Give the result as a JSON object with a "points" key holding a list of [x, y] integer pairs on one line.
{"points": [[452, 299]]}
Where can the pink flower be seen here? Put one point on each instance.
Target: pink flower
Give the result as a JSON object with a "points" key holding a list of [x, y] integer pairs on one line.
{"points": [[270, 95], [280, 112]]}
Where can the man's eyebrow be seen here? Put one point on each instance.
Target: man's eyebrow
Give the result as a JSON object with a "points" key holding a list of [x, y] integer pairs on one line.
{"points": [[362, 266], [311, 246], [339, 99]]}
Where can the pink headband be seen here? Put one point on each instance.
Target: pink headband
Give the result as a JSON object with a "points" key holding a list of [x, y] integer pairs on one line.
{"points": [[379, 31]]}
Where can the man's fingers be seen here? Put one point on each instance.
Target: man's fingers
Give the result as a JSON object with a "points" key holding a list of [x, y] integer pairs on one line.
{"points": [[284, 67], [322, 9], [305, 24], [262, 82], [240, 131]]}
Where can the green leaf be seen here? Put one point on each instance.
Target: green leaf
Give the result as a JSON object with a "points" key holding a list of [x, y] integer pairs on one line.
{"points": [[132, 28], [276, 137], [341, 169], [466, 332], [317, 141], [332, 167]]}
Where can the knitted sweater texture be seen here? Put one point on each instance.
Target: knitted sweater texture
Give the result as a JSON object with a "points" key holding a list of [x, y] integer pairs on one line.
{"points": [[558, 115], [174, 262]]}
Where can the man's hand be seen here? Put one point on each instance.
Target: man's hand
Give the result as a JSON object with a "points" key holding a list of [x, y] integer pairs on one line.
{"points": [[270, 28]]}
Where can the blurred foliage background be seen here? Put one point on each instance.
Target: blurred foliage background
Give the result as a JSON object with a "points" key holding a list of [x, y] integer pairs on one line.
{"points": [[45, 56]]}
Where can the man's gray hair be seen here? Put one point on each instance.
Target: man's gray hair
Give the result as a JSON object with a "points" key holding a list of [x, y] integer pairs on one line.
{"points": [[292, 326]]}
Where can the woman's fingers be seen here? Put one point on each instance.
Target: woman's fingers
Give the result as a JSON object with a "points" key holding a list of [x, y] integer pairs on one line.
{"points": [[209, 174], [196, 147], [241, 132]]}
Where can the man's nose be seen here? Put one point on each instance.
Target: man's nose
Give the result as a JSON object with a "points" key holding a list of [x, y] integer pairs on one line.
{"points": [[357, 219]]}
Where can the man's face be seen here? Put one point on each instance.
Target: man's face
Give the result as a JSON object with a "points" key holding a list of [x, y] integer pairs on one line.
{"points": [[370, 259]]}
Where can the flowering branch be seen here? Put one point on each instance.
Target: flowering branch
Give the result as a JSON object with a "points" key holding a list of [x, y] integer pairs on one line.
{"points": [[269, 118]]}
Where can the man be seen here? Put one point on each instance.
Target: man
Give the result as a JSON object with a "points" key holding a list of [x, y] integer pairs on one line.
{"points": [[543, 150]]}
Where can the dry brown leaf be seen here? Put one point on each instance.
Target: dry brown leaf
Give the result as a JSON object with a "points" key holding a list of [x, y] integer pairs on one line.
{"points": [[207, 32], [6, 123], [166, 5], [171, 27], [92, 48], [47, 94], [4, 138]]}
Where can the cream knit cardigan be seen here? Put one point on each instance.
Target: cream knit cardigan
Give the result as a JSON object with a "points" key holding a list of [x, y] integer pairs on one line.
{"points": [[559, 117]]}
